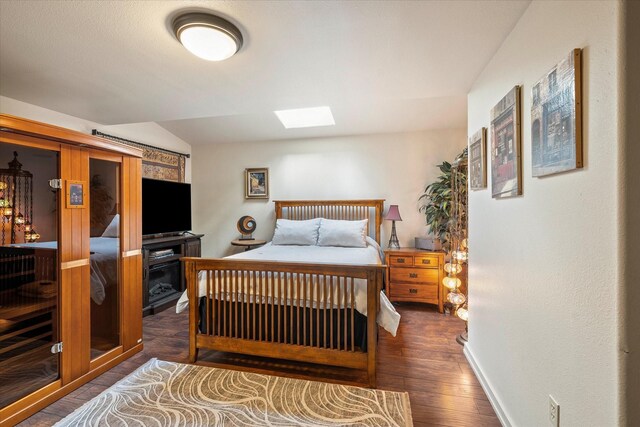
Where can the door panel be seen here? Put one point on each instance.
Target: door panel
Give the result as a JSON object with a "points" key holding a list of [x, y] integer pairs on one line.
{"points": [[105, 257], [74, 257], [132, 255], [29, 285]]}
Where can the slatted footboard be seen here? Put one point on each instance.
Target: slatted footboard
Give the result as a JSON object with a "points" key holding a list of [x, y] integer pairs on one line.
{"points": [[292, 311]]}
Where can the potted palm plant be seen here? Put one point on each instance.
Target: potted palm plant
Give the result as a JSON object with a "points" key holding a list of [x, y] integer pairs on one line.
{"points": [[436, 205]]}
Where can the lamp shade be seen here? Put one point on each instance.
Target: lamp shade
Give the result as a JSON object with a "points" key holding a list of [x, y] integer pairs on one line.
{"points": [[393, 214]]}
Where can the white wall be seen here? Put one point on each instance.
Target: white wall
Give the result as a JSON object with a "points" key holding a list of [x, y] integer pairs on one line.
{"points": [[147, 133], [395, 167], [544, 266]]}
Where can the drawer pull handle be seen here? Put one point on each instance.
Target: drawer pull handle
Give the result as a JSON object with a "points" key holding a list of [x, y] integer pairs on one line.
{"points": [[400, 260], [413, 275], [426, 261], [413, 291]]}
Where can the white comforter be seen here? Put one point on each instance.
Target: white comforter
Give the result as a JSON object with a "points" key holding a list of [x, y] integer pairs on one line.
{"points": [[388, 317]]}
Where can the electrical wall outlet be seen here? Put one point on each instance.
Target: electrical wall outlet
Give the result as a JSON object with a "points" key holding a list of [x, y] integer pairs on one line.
{"points": [[554, 412]]}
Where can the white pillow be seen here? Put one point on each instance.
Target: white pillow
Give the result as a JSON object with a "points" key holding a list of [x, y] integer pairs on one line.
{"points": [[290, 232], [351, 234], [112, 228]]}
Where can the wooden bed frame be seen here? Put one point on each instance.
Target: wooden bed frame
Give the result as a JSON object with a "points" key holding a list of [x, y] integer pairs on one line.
{"points": [[263, 327]]}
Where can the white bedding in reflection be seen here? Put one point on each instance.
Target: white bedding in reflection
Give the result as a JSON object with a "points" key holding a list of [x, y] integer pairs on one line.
{"points": [[388, 317], [103, 263]]}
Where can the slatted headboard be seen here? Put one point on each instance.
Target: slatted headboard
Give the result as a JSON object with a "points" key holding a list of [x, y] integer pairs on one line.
{"points": [[352, 210]]}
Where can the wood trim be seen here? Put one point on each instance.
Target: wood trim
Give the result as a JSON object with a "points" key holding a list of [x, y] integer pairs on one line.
{"points": [[131, 314], [334, 209], [29, 405], [109, 157], [105, 358], [577, 67], [192, 293], [74, 264], [351, 270], [519, 139], [134, 252], [28, 141], [131, 244], [373, 306], [294, 352], [9, 123]]}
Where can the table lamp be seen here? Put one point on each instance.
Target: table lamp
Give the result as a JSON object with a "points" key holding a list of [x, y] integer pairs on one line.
{"points": [[393, 214]]}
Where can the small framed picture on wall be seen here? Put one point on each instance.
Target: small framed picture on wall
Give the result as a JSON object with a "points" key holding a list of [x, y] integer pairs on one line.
{"points": [[478, 160], [556, 118], [256, 183], [506, 147]]}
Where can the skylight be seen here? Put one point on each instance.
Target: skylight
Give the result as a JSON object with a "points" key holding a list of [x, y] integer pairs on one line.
{"points": [[306, 117]]}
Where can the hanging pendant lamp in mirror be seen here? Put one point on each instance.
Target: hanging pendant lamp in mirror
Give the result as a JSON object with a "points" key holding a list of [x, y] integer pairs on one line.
{"points": [[207, 36]]}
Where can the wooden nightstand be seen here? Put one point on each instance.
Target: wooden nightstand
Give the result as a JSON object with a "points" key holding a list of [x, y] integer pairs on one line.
{"points": [[247, 244], [415, 275]]}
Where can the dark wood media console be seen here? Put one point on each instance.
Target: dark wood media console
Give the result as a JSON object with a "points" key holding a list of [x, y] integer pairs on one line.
{"points": [[163, 279]]}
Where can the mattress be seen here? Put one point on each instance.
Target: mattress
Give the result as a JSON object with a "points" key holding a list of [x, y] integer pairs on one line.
{"points": [[388, 317]]}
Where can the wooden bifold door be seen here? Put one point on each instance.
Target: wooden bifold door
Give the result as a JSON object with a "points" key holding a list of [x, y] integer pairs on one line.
{"points": [[70, 262]]}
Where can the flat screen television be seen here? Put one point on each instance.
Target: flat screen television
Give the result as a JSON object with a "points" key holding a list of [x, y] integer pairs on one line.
{"points": [[166, 207]]}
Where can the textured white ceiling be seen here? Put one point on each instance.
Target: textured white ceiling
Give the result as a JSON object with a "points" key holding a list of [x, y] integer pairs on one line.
{"points": [[381, 66]]}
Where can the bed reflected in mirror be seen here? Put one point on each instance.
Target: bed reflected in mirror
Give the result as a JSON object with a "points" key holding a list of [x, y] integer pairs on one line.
{"points": [[104, 205]]}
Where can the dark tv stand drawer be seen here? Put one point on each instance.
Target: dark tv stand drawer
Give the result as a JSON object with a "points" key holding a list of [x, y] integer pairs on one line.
{"points": [[162, 276]]}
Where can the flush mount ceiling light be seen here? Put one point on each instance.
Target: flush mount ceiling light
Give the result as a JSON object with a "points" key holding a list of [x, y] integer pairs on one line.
{"points": [[207, 36], [306, 117]]}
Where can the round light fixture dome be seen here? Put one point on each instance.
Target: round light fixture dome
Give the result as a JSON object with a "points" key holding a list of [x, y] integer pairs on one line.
{"points": [[207, 36]]}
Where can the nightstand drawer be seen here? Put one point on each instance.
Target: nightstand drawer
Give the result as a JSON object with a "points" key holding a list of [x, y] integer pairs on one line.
{"points": [[427, 293], [413, 275], [401, 260], [426, 261]]}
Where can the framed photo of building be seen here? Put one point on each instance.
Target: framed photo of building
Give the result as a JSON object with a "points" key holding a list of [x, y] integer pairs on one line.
{"points": [[478, 160], [256, 183], [506, 146], [556, 118]]}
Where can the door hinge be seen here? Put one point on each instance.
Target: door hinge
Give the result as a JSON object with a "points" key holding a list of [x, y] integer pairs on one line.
{"points": [[56, 184], [56, 348]]}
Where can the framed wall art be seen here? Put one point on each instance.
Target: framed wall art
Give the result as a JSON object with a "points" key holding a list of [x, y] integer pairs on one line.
{"points": [[478, 160], [556, 118], [76, 197], [506, 146], [256, 183]]}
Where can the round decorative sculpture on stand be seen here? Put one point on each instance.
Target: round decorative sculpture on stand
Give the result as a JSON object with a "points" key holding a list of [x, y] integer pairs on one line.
{"points": [[246, 227]]}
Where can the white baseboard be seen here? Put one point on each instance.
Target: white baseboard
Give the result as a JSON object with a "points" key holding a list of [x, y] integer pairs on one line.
{"points": [[495, 403]]}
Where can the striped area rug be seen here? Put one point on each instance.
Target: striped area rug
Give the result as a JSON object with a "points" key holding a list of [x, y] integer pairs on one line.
{"points": [[174, 394]]}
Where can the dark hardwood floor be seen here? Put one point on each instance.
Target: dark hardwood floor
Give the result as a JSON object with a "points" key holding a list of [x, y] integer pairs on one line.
{"points": [[424, 360]]}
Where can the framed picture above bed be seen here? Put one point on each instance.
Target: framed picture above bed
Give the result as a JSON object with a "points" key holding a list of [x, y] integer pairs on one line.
{"points": [[256, 183], [556, 118]]}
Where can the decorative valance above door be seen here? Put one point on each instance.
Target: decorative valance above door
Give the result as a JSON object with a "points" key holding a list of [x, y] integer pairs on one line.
{"points": [[157, 163]]}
